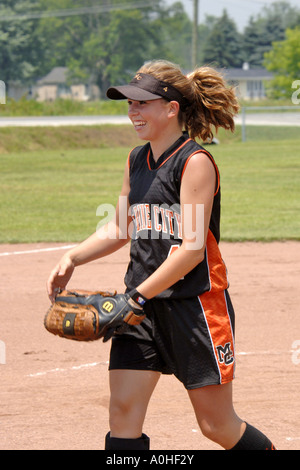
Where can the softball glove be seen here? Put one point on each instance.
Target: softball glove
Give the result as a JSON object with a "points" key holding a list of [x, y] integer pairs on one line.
{"points": [[87, 316]]}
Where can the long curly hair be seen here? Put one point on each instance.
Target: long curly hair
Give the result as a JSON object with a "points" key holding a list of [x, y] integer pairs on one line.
{"points": [[213, 103]]}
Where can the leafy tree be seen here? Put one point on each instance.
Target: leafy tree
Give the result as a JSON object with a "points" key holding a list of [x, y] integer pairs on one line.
{"points": [[266, 28], [64, 35], [103, 48], [114, 50], [254, 42], [174, 29], [20, 45], [223, 45], [284, 61], [204, 35]]}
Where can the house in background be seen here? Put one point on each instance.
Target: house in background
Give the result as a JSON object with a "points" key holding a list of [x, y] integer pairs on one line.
{"points": [[54, 86], [250, 83]]}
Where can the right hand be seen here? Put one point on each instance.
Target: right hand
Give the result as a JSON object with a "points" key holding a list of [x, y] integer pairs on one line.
{"points": [[60, 277]]}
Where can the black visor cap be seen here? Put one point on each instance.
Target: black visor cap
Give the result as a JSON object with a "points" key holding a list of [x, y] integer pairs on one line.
{"points": [[145, 87]]}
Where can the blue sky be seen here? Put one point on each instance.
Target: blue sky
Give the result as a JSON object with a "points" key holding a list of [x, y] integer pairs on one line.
{"points": [[239, 10]]}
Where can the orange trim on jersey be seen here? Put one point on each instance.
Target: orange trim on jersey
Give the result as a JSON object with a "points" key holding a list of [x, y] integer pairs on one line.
{"points": [[216, 266], [148, 156], [128, 158], [213, 162], [215, 311]]}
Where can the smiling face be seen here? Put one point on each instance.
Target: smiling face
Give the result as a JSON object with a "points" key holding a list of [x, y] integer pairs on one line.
{"points": [[149, 118], [157, 122]]}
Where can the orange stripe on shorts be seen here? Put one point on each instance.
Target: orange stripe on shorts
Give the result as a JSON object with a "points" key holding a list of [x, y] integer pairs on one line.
{"points": [[215, 310]]}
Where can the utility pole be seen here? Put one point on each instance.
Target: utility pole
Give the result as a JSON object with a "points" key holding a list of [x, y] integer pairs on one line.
{"points": [[195, 33]]}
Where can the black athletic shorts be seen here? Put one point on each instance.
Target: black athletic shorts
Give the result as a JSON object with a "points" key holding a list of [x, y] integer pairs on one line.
{"points": [[190, 338]]}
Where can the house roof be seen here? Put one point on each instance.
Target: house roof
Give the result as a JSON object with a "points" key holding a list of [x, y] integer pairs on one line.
{"points": [[56, 76], [246, 74]]}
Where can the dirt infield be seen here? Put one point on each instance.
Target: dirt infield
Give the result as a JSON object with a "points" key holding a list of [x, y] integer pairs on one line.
{"points": [[54, 393]]}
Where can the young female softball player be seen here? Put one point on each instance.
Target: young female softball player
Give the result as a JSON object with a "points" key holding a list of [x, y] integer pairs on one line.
{"points": [[176, 272]]}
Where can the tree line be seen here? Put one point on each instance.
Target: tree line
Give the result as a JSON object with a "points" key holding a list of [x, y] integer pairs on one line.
{"points": [[105, 42]]}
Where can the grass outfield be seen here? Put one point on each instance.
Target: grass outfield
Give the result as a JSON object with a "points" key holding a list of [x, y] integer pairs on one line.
{"points": [[260, 191], [53, 195]]}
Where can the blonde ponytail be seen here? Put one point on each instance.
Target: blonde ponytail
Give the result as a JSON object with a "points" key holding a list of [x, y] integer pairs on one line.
{"points": [[214, 105]]}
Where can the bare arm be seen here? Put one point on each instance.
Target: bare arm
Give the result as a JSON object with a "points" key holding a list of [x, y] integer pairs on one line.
{"points": [[103, 242], [197, 188]]}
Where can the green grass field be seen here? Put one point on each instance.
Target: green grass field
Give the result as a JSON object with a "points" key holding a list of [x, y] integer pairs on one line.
{"points": [[260, 191], [51, 187]]}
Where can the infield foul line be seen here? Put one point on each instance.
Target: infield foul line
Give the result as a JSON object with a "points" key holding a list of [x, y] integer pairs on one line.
{"points": [[259, 353], [37, 250], [94, 364], [82, 366]]}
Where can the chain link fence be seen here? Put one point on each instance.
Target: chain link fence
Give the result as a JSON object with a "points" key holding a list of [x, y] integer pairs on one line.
{"points": [[269, 122]]}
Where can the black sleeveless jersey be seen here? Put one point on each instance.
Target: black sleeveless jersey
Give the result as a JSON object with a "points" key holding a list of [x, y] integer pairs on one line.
{"points": [[154, 200]]}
